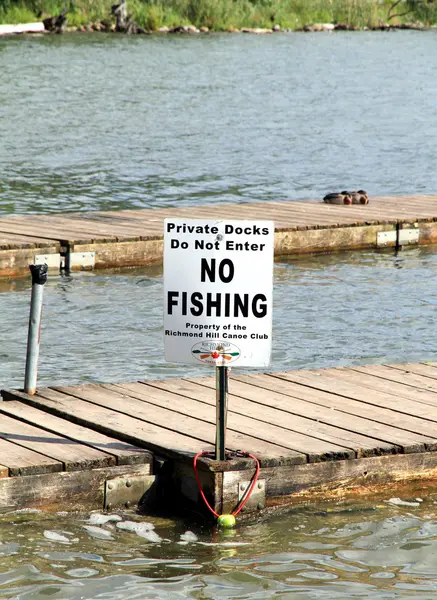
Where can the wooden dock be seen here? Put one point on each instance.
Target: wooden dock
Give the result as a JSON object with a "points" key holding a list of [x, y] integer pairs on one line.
{"points": [[315, 432], [135, 237]]}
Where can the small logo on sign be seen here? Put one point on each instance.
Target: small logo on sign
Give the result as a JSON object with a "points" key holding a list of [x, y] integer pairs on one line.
{"points": [[216, 353]]}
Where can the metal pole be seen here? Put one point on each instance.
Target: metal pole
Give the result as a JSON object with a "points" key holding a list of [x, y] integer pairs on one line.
{"points": [[222, 411], [39, 277]]}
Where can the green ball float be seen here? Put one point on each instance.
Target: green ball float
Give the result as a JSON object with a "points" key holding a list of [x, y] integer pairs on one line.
{"points": [[226, 521]]}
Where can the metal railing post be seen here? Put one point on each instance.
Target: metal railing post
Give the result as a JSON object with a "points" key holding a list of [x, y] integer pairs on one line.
{"points": [[222, 410], [39, 277]]}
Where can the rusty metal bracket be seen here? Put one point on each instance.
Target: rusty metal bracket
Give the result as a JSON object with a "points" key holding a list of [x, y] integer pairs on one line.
{"points": [[257, 498], [127, 490]]}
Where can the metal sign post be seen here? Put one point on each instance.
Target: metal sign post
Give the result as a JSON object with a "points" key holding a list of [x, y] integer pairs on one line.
{"points": [[222, 374], [39, 277]]}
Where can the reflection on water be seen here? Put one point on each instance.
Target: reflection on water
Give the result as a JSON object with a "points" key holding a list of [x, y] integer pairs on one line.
{"points": [[98, 122], [331, 310], [327, 552]]}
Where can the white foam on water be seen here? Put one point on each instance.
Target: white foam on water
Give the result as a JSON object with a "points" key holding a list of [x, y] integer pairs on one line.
{"points": [[149, 535], [143, 529], [98, 533], [99, 519], [189, 536], [134, 526], [56, 537]]}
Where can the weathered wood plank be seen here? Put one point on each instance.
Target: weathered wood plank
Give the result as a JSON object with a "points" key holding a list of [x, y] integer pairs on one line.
{"points": [[372, 381], [112, 423], [276, 409], [428, 369], [4, 471], [397, 405], [125, 454], [334, 479], [23, 461], [15, 261], [171, 420], [73, 455], [424, 386], [134, 238], [127, 254], [403, 430], [72, 491], [316, 448], [10, 240]]}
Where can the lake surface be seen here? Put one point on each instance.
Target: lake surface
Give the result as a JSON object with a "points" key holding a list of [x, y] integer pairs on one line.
{"points": [[97, 122], [330, 310], [381, 551], [102, 122]]}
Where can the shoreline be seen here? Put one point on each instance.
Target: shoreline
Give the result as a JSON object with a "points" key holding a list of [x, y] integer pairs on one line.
{"points": [[37, 28]]}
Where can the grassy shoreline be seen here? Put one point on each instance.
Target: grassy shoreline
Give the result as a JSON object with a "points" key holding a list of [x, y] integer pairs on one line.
{"points": [[228, 15]]}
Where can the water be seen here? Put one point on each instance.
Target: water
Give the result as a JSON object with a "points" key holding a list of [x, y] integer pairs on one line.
{"points": [[96, 122], [331, 310], [102, 122], [331, 551]]}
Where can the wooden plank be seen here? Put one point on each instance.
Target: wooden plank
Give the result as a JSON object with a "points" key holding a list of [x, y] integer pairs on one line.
{"points": [[128, 254], [410, 429], [427, 369], [204, 425], [150, 408], [374, 382], [4, 471], [134, 238], [357, 423], [417, 375], [72, 491], [22, 461], [111, 423], [357, 392], [15, 262], [125, 454], [61, 234], [424, 387], [73, 455], [299, 416], [10, 240], [337, 479]]}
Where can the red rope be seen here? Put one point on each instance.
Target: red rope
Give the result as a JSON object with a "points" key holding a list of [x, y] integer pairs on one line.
{"points": [[246, 496]]}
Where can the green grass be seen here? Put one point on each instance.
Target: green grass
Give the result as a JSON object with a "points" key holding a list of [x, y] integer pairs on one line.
{"points": [[222, 15]]}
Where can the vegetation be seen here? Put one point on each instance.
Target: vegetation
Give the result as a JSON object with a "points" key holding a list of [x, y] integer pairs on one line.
{"points": [[220, 15]]}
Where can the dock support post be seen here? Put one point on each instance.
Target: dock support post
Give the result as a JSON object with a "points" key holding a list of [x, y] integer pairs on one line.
{"points": [[222, 374], [39, 277]]}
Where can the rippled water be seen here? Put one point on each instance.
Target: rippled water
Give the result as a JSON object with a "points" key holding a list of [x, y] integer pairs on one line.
{"points": [[99, 121], [96, 122], [379, 550], [338, 309]]}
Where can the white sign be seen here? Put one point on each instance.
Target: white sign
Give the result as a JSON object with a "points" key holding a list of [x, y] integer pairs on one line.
{"points": [[218, 280]]}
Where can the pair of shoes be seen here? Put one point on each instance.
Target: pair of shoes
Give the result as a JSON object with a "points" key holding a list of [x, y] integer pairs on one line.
{"points": [[359, 197], [338, 198]]}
